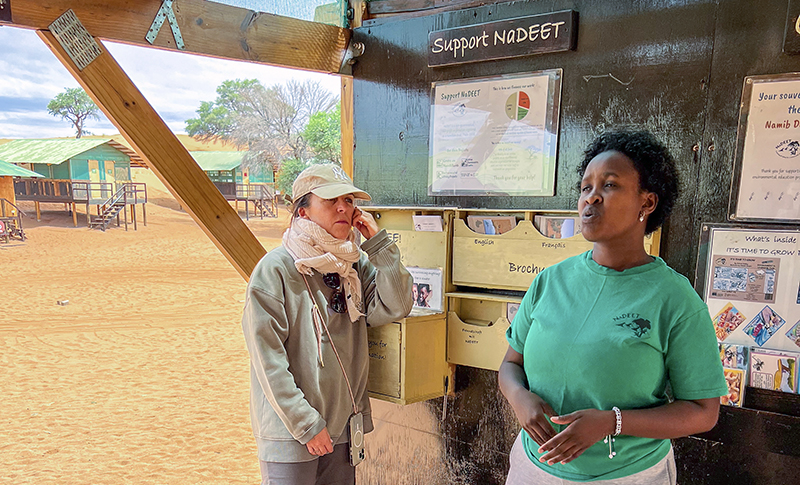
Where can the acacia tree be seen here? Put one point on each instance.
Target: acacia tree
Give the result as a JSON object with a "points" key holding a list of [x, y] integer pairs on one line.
{"points": [[268, 121], [75, 106]]}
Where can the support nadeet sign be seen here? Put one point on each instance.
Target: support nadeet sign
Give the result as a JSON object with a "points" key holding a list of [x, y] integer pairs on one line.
{"points": [[536, 34]]}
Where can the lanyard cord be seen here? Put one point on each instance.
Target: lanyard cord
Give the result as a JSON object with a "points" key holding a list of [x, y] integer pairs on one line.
{"points": [[318, 318]]}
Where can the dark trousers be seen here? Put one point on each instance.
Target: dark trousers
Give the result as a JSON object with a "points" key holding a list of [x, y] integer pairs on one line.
{"points": [[331, 469]]}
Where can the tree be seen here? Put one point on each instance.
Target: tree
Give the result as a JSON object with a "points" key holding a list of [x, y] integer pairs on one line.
{"points": [[323, 133], [75, 106], [290, 169], [270, 122], [217, 119]]}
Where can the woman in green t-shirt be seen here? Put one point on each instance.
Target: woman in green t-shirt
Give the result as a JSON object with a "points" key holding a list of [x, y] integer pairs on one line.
{"points": [[600, 337]]}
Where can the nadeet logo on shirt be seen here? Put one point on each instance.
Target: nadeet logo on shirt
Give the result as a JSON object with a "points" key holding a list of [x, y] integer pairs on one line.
{"points": [[633, 321]]}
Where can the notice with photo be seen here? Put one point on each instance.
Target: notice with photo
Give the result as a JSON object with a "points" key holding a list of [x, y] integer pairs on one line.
{"points": [[427, 288]]}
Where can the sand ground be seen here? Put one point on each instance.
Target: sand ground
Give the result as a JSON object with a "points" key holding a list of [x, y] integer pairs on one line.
{"points": [[143, 376]]}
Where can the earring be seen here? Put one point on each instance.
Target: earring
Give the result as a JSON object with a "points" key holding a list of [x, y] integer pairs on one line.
{"points": [[641, 216]]}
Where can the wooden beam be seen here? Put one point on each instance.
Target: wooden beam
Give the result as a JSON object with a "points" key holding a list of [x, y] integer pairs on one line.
{"points": [[123, 104], [359, 13], [208, 28], [348, 138]]}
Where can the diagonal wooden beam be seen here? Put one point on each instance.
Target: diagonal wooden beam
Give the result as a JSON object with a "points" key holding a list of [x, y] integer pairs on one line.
{"points": [[208, 28], [123, 104]]}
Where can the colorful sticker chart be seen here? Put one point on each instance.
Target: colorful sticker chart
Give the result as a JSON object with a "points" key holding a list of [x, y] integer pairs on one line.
{"points": [[495, 136], [750, 277]]}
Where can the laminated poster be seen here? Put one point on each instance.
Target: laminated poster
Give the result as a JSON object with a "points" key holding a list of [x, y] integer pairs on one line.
{"points": [[752, 282], [427, 289], [769, 154], [495, 136]]}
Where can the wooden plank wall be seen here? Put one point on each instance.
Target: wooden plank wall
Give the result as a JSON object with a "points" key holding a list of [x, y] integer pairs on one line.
{"points": [[678, 70]]}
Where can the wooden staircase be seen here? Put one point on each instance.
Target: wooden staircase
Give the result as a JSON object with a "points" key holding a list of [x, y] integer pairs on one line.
{"points": [[110, 210], [265, 205]]}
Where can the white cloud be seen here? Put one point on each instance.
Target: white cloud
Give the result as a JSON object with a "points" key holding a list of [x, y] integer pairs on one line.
{"points": [[174, 83]]}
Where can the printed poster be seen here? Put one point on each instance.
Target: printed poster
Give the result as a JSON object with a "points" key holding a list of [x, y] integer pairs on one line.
{"points": [[427, 289], [752, 279], [744, 278], [495, 136], [770, 154]]}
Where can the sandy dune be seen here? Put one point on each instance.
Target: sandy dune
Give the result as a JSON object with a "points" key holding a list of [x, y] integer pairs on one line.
{"points": [[142, 377]]}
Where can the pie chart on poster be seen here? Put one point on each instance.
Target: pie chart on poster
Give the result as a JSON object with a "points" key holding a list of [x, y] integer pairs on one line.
{"points": [[518, 105]]}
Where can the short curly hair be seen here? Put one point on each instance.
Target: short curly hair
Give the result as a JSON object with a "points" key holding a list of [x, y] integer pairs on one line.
{"points": [[656, 167]]}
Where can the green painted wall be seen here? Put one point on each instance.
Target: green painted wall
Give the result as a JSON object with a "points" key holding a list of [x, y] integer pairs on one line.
{"points": [[221, 175], [61, 171], [264, 176], [41, 169], [80, 169]]}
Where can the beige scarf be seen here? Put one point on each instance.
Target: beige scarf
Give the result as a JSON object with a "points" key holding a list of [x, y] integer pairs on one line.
{"points": [[313, 248]]}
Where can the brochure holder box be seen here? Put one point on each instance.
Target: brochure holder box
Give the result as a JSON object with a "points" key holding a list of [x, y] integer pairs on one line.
{"points": [[408, 358], [510, 261], [476, 329]]}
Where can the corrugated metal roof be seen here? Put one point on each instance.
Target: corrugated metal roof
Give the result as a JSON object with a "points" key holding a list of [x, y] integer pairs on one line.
{"points": [[209, 161], [11, 170], [53, 151]]}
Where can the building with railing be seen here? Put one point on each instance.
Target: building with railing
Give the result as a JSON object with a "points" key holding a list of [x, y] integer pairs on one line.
{"points": [[238, 182], [89, 172]]}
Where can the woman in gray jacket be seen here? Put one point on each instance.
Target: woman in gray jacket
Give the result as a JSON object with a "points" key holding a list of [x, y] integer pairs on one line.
{"points": [[308, 306]]}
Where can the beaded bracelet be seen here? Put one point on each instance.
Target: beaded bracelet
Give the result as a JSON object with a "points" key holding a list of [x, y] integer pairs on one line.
{"points": [[618, 416], [617, 430]]}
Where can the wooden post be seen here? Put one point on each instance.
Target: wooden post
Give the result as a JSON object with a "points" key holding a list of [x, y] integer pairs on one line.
{"points": [[144, 215], [133, 215], [348, 139], [116, 95], [74, 214], [38, 212]]}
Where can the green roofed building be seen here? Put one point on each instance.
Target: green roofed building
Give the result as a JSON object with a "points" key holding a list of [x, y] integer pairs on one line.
{"points": [[239, 183], [11, 170], [227, 167], [92, 171], [95, 160]]}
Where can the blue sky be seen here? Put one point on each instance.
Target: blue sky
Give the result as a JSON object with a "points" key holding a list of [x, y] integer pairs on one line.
{"points": [[174, 83]]}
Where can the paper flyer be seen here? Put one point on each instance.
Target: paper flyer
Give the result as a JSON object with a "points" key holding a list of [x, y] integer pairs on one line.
{"points": [[770, 174], [427, 288], [495, 136]]}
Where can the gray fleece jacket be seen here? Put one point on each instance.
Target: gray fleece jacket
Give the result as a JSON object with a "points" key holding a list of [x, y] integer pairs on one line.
{"points": [[292, 398]]}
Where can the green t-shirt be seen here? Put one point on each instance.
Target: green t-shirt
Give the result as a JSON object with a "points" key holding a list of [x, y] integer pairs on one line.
{"points": [[594, 337]]}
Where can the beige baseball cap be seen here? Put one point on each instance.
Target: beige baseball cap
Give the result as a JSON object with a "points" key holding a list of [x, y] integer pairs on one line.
{"points": [[326, 180]]}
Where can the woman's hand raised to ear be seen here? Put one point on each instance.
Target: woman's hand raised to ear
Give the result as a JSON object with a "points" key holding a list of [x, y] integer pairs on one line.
{"points": [[365, 223]]}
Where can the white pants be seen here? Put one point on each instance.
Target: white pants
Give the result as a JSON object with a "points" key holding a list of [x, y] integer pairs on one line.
{"points": [[525, 472]]}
